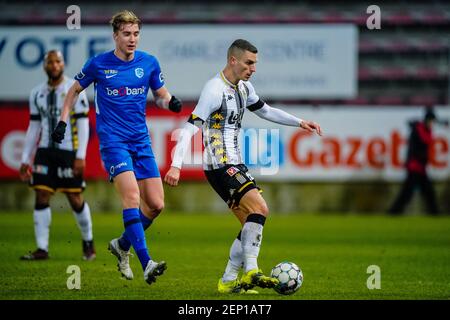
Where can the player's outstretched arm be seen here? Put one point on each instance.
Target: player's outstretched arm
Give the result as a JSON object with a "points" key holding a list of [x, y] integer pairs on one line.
{"points": [[69, 102], [165, 100], [266, 112]]}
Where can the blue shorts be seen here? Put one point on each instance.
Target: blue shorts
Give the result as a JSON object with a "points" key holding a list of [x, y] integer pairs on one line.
{"points": [[136, 157]]}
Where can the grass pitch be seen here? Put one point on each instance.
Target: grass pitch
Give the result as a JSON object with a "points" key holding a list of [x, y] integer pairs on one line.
{"points": [[334, 252]]}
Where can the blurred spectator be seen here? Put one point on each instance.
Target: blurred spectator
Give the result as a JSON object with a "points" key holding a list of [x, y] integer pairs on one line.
{"points": [[419, 143]]}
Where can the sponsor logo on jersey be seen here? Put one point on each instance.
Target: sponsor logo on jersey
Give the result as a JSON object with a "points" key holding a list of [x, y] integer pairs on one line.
{"points": [[161, 77], [125, 91], [233, 118], [110, 73], [139, 72], [232, 171]]}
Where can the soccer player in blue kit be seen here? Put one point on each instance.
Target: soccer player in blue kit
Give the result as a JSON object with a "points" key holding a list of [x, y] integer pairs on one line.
{"points": [[122, 78]]}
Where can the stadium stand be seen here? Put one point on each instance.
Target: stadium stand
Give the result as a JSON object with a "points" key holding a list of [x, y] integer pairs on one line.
{"points": [[407, 61]]}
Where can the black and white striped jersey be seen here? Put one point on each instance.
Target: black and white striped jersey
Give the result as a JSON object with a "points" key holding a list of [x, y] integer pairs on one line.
{"points": [[45, 108], [221, 106]]}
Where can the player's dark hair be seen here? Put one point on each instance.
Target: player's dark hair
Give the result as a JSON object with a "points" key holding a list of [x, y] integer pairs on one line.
{"points": [[241, 45], [124, 17], [53, 51]]}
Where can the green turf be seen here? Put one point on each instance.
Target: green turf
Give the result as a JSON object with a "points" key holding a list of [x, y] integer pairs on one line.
{"points": [[333, 251]]}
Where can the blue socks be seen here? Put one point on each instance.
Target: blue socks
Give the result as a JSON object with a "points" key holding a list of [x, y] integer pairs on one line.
{"points": [[134, 232], [124, 242]]}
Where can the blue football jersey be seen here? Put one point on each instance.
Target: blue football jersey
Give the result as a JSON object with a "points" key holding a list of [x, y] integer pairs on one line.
{"points": [[121, 89]]}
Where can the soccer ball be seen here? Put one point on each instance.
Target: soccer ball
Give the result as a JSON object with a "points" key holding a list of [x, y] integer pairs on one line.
{"points": [[289, 275]]}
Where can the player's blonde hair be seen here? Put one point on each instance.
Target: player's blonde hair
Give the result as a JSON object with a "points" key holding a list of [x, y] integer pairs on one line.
{"points": [[124, 17]]}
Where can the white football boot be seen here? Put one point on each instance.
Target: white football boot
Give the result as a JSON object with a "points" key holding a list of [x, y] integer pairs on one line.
{"points": [[123, 257], [153, 270]]}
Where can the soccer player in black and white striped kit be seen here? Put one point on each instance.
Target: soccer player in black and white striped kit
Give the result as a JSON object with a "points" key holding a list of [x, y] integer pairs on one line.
{"points": [[56, 167], [219, 114]]}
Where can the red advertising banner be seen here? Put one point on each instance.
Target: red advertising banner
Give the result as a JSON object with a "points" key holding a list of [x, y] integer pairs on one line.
{"points": [[14, 123], [359, 143], [13, 126]]}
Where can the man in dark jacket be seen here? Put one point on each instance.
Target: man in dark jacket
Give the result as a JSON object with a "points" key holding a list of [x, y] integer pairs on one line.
{"points": [[419, 143]]}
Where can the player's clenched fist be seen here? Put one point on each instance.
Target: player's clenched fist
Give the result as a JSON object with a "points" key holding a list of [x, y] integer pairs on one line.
{"points": [[25, 172], [172, 176]]}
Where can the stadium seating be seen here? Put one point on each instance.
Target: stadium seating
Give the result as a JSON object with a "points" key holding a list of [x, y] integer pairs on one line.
{"points": [[412, 45]]}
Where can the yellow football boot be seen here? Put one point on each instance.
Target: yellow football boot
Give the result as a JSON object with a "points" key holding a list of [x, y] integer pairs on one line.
{"points": [[255, 277], [233, 287]]}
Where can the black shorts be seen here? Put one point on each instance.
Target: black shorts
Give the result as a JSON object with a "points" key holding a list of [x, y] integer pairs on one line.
{"points": [[52, 171], [231, 183]]}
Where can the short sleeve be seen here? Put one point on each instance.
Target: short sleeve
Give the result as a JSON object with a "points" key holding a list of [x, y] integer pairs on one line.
{"points": [[87, 75], [156, 80], [253, 101], [81, 107], [34, 112], [210, 100]]}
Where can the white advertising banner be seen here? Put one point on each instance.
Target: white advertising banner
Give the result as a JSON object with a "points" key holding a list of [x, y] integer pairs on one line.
{"points": [[358, 143], [294, 61]]}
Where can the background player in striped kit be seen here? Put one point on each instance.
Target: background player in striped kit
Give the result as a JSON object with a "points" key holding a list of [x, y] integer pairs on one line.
{"points": [[56, 167], [219, 114], [122, 78]]}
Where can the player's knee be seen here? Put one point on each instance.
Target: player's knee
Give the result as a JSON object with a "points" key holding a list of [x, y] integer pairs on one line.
{"points": [[157, 208], [76, 201], [258, 207], [131, 199], [41, 206], [77, 206], [262, 209], [42, 199]]}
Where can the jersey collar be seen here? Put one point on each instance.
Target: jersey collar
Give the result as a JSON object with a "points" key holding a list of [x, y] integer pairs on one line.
{"points": [[49, 88], [222, 76]]}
